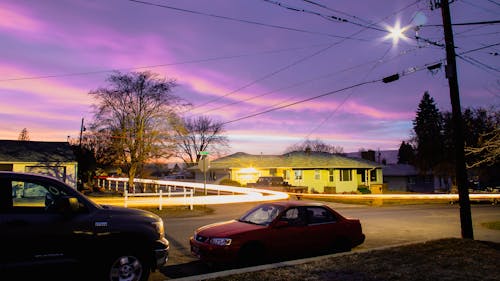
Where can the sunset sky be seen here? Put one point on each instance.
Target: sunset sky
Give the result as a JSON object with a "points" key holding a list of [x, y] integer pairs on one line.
{"points": [[276, 72]]}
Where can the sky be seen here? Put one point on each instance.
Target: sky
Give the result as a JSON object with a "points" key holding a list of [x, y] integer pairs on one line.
{"points": [[274, 72]]}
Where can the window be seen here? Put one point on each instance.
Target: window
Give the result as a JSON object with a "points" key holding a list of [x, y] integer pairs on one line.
{"points": [[345, 175], [294, 217], [373, 175], [272, 171], [286, 174], [298, 174], [317, 174], [330, 175], [317, 215], [34, 197]]}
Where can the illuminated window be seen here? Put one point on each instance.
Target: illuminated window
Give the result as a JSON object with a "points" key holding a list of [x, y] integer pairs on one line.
{"points": [[345, 175]]}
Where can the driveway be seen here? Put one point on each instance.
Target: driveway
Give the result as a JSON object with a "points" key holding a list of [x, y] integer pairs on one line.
{"points": [[385, 225]]}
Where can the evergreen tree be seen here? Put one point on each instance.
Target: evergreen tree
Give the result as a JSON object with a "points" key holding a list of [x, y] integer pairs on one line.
{"points": [[406, 153], [429, 143]]}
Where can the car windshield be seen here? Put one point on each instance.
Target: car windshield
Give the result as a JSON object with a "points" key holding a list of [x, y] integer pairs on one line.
{"points": [[261, 215]]}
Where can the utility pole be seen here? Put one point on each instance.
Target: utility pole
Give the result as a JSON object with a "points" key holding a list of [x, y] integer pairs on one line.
{"points": [[82, 128], [460, 169]]}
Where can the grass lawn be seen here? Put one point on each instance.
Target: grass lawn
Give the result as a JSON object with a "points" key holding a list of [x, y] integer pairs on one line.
{"points": [[445, 259]]}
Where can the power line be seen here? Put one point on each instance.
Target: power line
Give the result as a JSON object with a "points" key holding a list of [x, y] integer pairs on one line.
{"points": [[296, 62], [479, 64], [310, 80], [159, 65], [327, 17], [346, 98], [404, 73], [242, 20], [302, 101], [336, 11], [465, 23], [267, 76]]}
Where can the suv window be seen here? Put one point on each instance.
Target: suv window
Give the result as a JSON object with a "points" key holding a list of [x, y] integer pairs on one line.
{"points": [[29, 196]]}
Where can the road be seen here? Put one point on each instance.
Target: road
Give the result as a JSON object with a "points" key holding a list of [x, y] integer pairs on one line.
{"points": [[385, 225]]}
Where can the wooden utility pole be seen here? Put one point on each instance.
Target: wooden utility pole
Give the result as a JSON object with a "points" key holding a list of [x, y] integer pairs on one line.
{"points": [[460, 169], [82, 128]]}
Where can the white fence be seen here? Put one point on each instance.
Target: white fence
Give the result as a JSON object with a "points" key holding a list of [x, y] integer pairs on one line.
{"points": [[160, 196]]}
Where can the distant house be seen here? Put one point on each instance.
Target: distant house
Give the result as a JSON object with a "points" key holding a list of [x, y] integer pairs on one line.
{"points": [[50, 158], [320, 172], [404, 177]]}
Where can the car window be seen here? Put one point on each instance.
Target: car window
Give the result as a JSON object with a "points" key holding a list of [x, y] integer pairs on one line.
{"points": [[33, 196], [293, 216], [262, 215], [316, 215]]}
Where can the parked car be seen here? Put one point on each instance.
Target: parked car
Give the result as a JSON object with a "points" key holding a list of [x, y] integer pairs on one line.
{"points": [[47, 223], [277, 184], [275, 231]]}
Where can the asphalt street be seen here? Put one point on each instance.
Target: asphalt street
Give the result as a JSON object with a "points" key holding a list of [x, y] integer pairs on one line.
{"points": [[383, 226]]}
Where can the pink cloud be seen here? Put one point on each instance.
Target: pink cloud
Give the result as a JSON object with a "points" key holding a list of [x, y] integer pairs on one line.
{"points": [[17, 19], [48, 89]]}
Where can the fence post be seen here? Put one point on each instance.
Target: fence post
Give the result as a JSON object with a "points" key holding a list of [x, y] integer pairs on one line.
{"points": [[161, 203], [169, 190], [125, 186], [192, 199], [116, 186], [109, 185], [184, 192], [126, 197]]}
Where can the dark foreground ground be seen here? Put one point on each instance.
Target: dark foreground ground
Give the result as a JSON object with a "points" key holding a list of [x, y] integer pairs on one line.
{"points": [[445, 259]]}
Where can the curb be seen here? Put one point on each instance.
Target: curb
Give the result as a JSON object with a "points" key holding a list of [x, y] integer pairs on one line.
{"points": [[285, 263]]}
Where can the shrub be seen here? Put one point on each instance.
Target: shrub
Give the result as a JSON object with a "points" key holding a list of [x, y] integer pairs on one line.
{"points": [[229, 182], [364, 190]]}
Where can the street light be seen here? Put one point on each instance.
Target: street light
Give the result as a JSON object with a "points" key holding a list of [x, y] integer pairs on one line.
{"points": [[396, 33]]}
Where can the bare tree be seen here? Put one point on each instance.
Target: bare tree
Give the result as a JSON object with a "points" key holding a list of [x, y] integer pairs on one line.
{"points": [[132, 114], [315, 146], [199, 134], [23, 135], [488, 149]]}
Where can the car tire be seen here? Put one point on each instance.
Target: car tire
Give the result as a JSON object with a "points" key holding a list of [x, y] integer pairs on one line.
{"points": [[128, 267]]}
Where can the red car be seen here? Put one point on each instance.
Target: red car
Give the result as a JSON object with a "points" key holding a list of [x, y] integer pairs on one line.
{"points": [[277, 230]]}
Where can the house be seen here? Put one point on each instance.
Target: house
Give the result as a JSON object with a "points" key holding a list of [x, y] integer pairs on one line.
{"points": [[321, 172], [50, 158], [405, 177]]}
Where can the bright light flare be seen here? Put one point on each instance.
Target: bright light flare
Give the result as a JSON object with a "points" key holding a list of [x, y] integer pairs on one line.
{"points": [[396, 33]]}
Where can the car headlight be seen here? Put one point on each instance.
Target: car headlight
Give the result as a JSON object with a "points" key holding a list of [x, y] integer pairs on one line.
{"points": [[221, 241], [158, 225]]}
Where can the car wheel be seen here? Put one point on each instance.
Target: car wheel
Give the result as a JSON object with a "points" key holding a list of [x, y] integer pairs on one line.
{"points": [[128, 268], [252, 254]]}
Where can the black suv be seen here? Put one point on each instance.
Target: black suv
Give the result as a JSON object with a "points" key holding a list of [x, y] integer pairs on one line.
{"points": [[46, 223]]}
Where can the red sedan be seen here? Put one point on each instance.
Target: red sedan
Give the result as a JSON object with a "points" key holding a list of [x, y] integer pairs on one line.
{"points": [[277, 230]]}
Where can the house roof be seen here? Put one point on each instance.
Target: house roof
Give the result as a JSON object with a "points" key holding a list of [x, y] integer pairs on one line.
{"points": [[390, 156], [35, 151], [302, 160], [395, 170]]}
